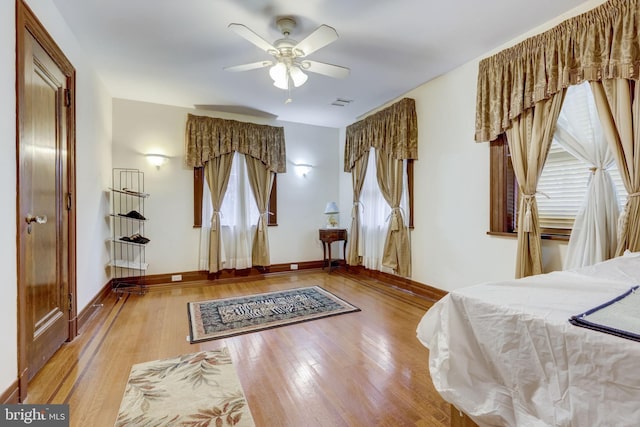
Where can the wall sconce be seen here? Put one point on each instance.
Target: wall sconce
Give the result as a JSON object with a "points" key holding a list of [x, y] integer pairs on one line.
{"points": [[302, 169], [157, 160]]}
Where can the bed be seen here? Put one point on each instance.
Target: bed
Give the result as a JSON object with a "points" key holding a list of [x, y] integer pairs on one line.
{"points": [[506, 354]]}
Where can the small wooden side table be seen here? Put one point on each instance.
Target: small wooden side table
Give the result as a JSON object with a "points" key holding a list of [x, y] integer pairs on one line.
{"points": [[328, 236]]}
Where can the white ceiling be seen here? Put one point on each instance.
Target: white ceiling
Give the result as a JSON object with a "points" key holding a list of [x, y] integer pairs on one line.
{"points": [[173, 52]]}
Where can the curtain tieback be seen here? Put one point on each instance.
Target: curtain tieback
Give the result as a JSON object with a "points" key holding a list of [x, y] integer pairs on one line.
{"points": [[262, 220], [215, 220], [354, 210], [527, 223], [595, 169], [395, 221], [527, 226]]}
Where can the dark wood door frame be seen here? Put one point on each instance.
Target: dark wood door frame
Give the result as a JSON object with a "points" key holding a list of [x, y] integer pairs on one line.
{"points": [[26, 21]]}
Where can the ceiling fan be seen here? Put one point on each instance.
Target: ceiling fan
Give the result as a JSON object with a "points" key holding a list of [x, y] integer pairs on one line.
{"points": [[290, 63]]}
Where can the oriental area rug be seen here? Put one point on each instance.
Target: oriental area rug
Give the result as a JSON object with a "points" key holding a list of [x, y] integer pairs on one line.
{"points": [[199, 389], [226, 317]]}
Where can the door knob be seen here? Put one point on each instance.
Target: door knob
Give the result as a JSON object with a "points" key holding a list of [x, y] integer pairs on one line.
{"points": [[40, 219]]}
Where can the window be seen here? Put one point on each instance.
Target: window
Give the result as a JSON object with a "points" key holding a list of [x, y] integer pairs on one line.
{"points": [[409, 171], [375, 213], [239, 207], [198, 182], [239, 216], [563, 184], [562, 188], [504, 188]]}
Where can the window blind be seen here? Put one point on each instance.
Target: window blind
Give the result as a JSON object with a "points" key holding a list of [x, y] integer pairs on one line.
{"points": [[562, 187]]}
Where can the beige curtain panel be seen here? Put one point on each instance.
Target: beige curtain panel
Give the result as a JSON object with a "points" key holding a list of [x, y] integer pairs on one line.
{"points": [[597, 45], [358, 173], [529, 139], [260, 180], [217, 172], [394, 129], [618, 105], [209, 137], [397, 248]]}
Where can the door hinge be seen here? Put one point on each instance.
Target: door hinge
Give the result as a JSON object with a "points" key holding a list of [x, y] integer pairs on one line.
{"points": [[69, 194], [67, 98], [70, 302]]}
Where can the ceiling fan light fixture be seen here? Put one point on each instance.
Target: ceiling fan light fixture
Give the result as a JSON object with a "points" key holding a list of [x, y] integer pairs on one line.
{"points": [[284, 85], [298, 77], [288, 70], [278, 72], [280, 75]]}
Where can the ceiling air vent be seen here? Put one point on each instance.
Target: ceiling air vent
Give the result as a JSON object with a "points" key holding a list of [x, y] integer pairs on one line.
{"points": [[341, 102]]}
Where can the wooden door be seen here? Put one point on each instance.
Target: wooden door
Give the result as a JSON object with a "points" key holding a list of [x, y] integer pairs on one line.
{"points": [[46, 258]]}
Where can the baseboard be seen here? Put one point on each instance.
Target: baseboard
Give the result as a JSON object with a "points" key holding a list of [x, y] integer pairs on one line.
{"points": [[305, 265], [155, 280], [10, 395], [94, 304], [187, 276], [224, 276], [417, 288]]}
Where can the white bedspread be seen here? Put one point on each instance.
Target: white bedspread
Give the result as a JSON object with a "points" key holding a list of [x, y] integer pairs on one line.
{"points": [[506, 354]]}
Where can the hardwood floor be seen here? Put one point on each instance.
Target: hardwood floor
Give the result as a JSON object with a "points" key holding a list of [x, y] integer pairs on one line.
{"points": [[356, 369]]}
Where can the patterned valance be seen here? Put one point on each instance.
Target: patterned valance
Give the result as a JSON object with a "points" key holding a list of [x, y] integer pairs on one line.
{"points": [[209, 137], [394, 130], [603, 43]]}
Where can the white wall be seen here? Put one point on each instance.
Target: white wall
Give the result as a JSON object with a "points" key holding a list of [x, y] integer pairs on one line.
{"points": [[450, 247], [93, 141], [302, 200], [140, 128]]}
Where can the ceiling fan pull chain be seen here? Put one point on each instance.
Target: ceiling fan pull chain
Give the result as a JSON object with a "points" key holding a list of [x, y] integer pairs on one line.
{"points": [[289, 99]]}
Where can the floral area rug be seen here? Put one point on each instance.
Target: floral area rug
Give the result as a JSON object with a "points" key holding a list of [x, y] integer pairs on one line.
{"points": [[232, 316], [200, 389]]}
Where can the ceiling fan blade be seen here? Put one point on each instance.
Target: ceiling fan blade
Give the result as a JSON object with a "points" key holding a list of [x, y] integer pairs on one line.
{"points": [[251, 66], [322, 36], [248, 34], [330, 70]]}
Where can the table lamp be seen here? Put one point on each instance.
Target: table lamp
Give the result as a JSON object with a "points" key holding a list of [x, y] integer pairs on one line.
{"points": [[331, 210]]}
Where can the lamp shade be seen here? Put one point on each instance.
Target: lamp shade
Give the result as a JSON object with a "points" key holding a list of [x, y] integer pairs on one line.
{"points": [[281, 72], [280, 75], [331, 208], [297, 76]]}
